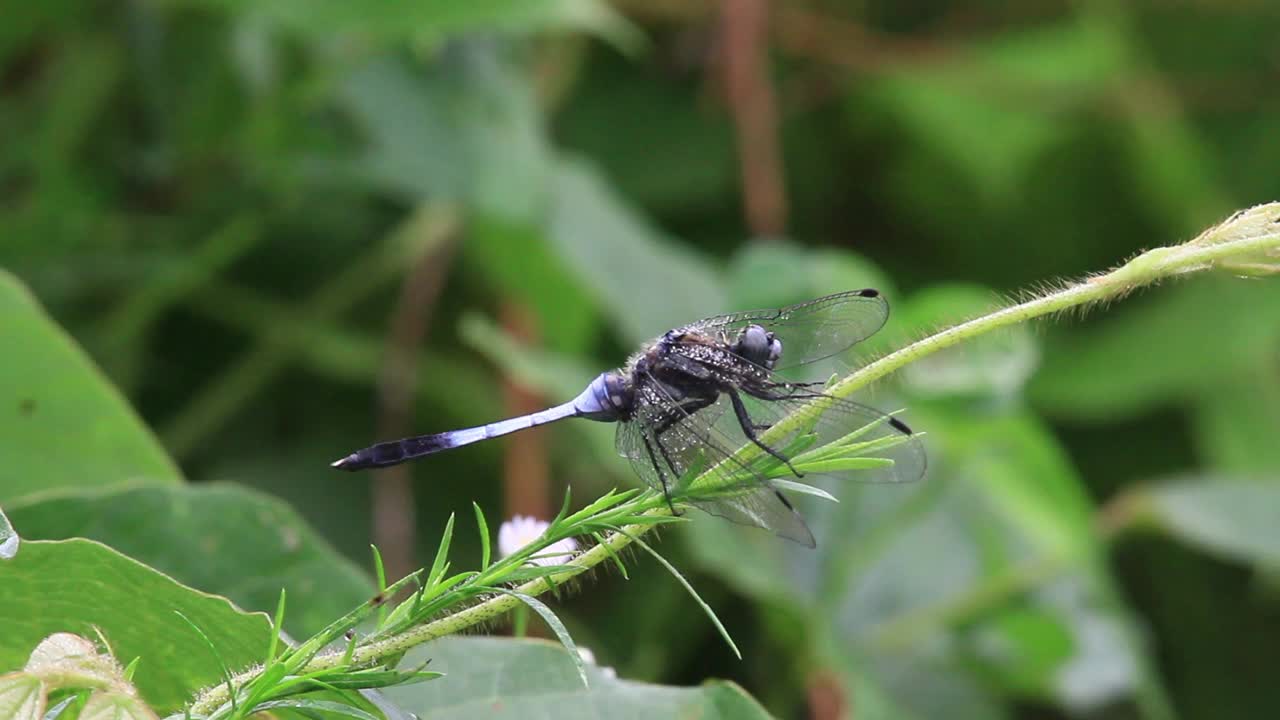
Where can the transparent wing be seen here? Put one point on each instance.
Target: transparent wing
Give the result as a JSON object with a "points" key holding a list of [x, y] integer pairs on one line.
{"points": [[666, 444], [810, 331], [653, 410], [843, 432]]}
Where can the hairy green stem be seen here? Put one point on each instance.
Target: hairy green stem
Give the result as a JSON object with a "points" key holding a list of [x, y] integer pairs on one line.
{"points": [[1217, 246]]}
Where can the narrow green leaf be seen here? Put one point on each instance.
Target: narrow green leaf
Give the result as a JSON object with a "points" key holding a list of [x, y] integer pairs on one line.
{"points": [[724, 633], [483, 527], [54, 712], [564, 508], [308, 706], [277, 627], [848, 448], [841, 464], [804, 488], [556, 626], [361, 680], [379, 571], [617, 561], [266, 684], [799, 445], [299, 656], [613, 498], [437, 566], [532, 572], [226, 671], [638, 519], [351, 648]]}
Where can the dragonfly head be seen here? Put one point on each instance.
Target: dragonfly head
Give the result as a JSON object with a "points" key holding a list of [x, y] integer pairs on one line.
{"points": [[758, 346], [608, 398]]}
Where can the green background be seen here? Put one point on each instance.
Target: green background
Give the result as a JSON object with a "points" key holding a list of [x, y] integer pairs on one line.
{"points": [[213, 211]]}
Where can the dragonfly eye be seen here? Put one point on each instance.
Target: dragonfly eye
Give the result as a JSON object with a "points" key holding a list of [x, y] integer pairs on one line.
{"points": [[757, 345], [775, 351]]}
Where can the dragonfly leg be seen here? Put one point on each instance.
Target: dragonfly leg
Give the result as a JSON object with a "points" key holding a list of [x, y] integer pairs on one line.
{"points": [[749, 429], [666, 486]]}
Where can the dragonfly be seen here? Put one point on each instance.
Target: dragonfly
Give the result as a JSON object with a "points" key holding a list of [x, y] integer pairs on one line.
{"points": [[714, 399]]}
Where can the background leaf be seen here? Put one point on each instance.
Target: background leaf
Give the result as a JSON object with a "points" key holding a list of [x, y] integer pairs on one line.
{"points": [[78, 585], [1234, 518], [517, 678], [54, 401], [218, 538]]}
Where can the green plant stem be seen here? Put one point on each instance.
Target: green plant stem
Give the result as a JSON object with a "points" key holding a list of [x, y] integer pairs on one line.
{"points": [[1210, 249], [1243, 238]]}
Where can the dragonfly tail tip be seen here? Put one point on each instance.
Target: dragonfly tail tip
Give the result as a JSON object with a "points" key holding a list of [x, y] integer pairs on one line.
{"points": [[346, 463]]}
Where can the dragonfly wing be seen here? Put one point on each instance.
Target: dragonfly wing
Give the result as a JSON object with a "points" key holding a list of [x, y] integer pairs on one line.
{"points": [[634, 441], [665, 441], [809, 331], [825, 420], [767, 508]]}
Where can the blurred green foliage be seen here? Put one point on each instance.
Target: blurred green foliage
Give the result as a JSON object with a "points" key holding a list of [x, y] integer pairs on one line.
{"points": [[219, 201]]}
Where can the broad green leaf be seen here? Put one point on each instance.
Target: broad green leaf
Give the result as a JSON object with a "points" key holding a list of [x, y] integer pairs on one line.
{"points": [[644, 283], [219, 538], [519, 679], [64, 425], [1239, 519], [466, 129], [1172, 344], [79, 585]]}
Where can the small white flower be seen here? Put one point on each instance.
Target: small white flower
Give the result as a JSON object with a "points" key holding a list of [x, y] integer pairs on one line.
{"points": [[521, 530], [589, 658]]}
